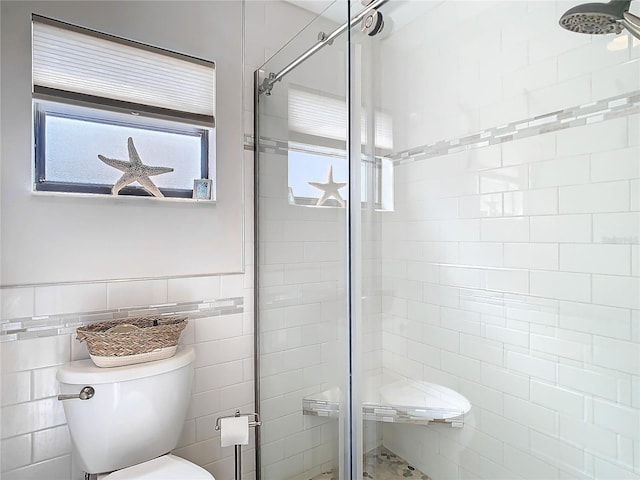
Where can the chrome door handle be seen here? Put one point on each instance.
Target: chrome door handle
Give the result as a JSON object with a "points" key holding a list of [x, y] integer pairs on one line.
{"points": [[85, 394]]}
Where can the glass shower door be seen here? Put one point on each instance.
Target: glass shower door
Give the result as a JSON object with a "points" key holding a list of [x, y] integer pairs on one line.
{"points": [[302, 302], [499, 327], [469, 308]]}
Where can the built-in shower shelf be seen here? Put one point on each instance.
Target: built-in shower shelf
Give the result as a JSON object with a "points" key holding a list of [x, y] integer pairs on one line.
{"points": [[400, 401]]}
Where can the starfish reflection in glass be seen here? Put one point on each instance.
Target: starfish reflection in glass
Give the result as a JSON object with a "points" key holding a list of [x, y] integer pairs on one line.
{"points": [[329, 189], [135, 171]]}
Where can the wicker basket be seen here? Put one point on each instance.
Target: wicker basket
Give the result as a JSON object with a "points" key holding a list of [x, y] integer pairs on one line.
{"points": [[156, 338]]}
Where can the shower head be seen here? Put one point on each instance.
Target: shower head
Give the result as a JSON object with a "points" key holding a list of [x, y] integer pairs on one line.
{"points": [[599, 18]]}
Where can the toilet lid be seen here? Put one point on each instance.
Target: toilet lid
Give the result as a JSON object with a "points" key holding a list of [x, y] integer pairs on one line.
{"points": [[167, 467]]}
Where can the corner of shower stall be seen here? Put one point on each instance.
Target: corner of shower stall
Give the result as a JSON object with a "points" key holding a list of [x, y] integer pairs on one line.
{"points": [[448, 221], [302, 301]]}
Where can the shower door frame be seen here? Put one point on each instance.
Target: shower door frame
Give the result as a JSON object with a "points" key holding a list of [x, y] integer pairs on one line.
{"points": [[350, 429]]}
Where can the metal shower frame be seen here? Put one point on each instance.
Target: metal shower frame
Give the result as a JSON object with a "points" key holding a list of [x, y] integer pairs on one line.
{"points": [[264, 87], [267, 84]]}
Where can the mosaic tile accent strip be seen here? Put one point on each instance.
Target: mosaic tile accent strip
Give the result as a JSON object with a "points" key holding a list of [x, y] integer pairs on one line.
{"points": [[283, 147], [607, 109], [249, 141], [600, 111], [50, 325], [377, 413], [382, 464]]}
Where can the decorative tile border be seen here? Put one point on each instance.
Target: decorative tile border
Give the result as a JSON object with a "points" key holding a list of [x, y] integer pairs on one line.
{"points": [[378, 413], [249, 142], [283, 147], [607, 109], [602, 110], [50, 325]]}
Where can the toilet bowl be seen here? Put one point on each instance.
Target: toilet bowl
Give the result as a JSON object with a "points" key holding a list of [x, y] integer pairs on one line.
{"points": [[134, 416]]}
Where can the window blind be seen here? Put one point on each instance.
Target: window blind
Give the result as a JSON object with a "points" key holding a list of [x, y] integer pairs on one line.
{"points": [[71, 59], [323, 116]]}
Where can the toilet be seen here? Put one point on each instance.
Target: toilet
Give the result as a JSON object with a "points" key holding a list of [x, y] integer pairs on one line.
{"points": [[125, 427]]}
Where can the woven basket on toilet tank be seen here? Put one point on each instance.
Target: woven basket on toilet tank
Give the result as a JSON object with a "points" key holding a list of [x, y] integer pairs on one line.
{"points": [[132, 340]]}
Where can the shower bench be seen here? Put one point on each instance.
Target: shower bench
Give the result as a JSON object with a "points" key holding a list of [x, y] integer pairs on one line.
{"points": [[397, 401]]}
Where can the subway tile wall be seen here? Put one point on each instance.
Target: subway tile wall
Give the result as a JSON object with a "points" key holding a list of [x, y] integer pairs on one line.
{"points": [[38, 325], [302, 301], [302, 279], [523, 249]]}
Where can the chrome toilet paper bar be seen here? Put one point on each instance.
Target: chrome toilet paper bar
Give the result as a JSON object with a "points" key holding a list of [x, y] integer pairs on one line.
{"points": [[255, 423], [238, 448]]}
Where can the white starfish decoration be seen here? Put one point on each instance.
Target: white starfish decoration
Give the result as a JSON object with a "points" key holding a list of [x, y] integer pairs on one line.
{"points": [[330, 189], [135, 171]]}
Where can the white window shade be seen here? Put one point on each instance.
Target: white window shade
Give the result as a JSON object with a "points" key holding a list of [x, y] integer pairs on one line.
{"points": [[326, 117], [317, 115], [68, 59]]}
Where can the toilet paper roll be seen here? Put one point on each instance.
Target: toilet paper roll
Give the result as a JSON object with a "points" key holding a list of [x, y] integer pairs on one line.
{"points": [[234, 431]]}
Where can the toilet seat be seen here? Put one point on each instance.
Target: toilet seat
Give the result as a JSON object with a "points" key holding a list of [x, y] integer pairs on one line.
{"points": [[167, 467]]}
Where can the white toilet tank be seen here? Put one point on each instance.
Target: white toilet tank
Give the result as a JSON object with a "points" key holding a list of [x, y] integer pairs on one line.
{"points": [[136, 414]]}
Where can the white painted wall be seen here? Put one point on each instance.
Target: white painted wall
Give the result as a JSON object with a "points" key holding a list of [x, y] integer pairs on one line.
{"points": [[54, 238], [199, 238]]}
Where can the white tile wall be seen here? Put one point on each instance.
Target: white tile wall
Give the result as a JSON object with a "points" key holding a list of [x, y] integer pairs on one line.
{"points": [[35, 438], [146, 292], [70, 298], [301, 276], [590, 258], [550, 266], [531, 256], [615, 165], [561, 229], [616, 291], [611, 135], [617, 354], [192, 289], [616, 228], [57, 468], [592, 198], [543, 201], [504, 229], [526, 413], [561, 285], [563, 171], [16, 452], [588, 381], [17, 302]]}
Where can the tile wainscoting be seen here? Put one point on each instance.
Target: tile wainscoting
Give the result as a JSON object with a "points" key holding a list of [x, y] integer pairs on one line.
{"points": [[35, 438]]}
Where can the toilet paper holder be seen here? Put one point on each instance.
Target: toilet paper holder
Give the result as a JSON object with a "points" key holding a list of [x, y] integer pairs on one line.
{"points": [[238, 448], [255, 423]]}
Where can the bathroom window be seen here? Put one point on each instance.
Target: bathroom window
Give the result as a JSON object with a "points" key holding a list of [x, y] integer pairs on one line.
{"points": [[307, 168], [116, 116], [317, 165]]}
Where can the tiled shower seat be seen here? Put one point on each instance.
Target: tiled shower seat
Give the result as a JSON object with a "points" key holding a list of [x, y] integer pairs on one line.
{"points": [[398, 401]]}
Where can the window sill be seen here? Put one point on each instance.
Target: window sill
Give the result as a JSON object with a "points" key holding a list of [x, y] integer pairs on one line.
{"points": [[120, 198]]}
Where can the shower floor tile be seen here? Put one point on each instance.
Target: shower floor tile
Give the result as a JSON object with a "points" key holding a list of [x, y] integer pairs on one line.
{"points": [[382, 464]]}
